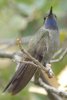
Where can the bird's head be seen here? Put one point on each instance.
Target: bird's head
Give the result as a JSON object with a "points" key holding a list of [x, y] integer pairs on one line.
{"points": [[51, 21]]}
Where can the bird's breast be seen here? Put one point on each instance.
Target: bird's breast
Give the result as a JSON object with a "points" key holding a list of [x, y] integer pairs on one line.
{"points": [[54, 41]]}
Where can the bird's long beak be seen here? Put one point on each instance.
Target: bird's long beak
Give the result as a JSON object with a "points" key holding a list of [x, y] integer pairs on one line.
{"points": [[51, 11]]}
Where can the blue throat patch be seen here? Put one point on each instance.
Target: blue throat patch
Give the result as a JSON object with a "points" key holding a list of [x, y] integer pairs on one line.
{"points": [[51, 23]]}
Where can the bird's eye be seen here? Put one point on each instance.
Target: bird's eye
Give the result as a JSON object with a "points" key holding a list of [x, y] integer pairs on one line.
{"points": [[44, 18], [55, 16]]}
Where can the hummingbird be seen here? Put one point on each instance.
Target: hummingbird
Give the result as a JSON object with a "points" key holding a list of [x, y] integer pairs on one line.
{"points": [[42, 46]]}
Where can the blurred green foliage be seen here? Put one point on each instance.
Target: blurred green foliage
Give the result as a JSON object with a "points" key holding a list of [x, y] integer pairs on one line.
{"points": [[24, 17]]}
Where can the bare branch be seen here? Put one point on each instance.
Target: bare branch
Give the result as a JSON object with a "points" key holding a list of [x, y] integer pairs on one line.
{"points": [[31, 63], [57, 53], [52, 89], [4, 54], [60, 58], [37, 64], [25, 40]]}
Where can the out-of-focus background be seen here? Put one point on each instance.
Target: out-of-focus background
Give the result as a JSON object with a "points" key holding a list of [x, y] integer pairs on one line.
{"points": [[19, 18]]}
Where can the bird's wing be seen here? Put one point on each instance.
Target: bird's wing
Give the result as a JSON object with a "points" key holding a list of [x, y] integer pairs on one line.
{"points": [[20, 79], [23, 75], [36, 40]]}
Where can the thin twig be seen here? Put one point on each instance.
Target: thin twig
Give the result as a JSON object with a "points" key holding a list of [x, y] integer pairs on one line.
{"points": [[4, 54], [12, 41], [57, 53], [52, 89], [60, 58], [31, 63]]}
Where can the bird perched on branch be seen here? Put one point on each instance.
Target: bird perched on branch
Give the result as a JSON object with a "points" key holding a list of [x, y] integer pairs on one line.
{"points": [[42, 46]]}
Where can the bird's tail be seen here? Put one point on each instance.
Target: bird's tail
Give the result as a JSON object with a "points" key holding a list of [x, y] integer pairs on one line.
{"points": [[20, 79]]}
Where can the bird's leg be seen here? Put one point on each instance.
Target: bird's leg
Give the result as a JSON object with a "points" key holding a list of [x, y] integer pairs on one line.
{"points": [[50, 71]]}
